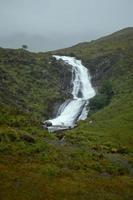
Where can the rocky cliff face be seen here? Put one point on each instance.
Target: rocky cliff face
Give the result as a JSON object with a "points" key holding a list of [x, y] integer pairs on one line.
{"points": [[64, 74], [101, 68], [32, 84]]}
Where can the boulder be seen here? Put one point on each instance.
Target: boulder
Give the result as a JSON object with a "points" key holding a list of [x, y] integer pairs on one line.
{"points": [[47, 124], [27, 138]]}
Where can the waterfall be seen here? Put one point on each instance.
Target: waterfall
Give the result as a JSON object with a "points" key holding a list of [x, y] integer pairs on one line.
{"points": [[75, 109]]}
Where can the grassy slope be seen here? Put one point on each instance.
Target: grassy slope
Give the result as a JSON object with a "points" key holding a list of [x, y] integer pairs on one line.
{"points": [[114, 121], [28, 82], [95, 162]]}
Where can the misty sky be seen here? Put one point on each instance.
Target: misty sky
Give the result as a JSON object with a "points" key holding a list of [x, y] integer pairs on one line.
{"points": [[52, 24]]}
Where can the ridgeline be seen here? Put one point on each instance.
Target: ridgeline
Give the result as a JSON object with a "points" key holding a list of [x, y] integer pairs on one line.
{"points": [[92, 161]]}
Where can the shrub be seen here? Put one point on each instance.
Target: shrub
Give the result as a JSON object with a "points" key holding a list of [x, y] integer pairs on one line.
{"points": [[103, 98], [98, 102], [107, 89]]}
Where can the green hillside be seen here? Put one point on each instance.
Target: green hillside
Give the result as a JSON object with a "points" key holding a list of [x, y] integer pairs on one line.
{"points": [[109, 59], [92, 161]]}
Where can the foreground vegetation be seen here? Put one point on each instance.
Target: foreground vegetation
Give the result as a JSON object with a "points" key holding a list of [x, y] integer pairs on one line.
{"points": [[92, 161]]}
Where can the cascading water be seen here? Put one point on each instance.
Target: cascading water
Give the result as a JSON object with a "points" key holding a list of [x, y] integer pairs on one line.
{"points": [[75, 109]]}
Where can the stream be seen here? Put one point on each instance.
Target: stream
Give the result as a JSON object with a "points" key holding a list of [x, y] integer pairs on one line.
{"points": [[74, 109]]}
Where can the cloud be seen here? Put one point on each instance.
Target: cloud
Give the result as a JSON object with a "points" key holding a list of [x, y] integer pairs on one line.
{"points": [[61, 22]]}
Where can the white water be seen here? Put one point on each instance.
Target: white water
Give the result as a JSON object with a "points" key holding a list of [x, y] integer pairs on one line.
{"points": [[75, 109]]}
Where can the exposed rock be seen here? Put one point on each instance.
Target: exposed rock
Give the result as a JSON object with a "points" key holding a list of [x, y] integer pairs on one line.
{"points": [[114, 150], [65, 75], [27, 138], [101, 68]]}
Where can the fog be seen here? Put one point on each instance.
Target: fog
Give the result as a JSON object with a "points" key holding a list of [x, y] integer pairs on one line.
{"points": [[52, 24]]}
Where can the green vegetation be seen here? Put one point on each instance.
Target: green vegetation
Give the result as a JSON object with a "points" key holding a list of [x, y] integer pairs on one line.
{"points": [[24, 46], [30, 84], [102, 99], [94, 160]]}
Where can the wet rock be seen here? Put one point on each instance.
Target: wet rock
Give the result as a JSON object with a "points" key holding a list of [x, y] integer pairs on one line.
{"points": [[48, 123]]}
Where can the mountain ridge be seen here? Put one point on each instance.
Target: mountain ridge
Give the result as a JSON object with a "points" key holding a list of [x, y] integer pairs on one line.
{"points": [[94, 160]]}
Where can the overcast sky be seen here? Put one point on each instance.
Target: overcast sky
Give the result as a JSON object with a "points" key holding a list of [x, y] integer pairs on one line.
{"points": [[51, 24]]}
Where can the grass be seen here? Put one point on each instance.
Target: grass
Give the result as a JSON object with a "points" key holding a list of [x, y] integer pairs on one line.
{"points": [[94, 161]]}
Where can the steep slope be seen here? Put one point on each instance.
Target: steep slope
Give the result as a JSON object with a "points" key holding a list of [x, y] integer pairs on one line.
{"points": [[92, 161], [30, 85], [109, 59]]}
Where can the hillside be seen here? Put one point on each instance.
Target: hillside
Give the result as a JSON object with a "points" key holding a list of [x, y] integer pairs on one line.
{"points": [[30, 85], [94, 160], [110, 59]]}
